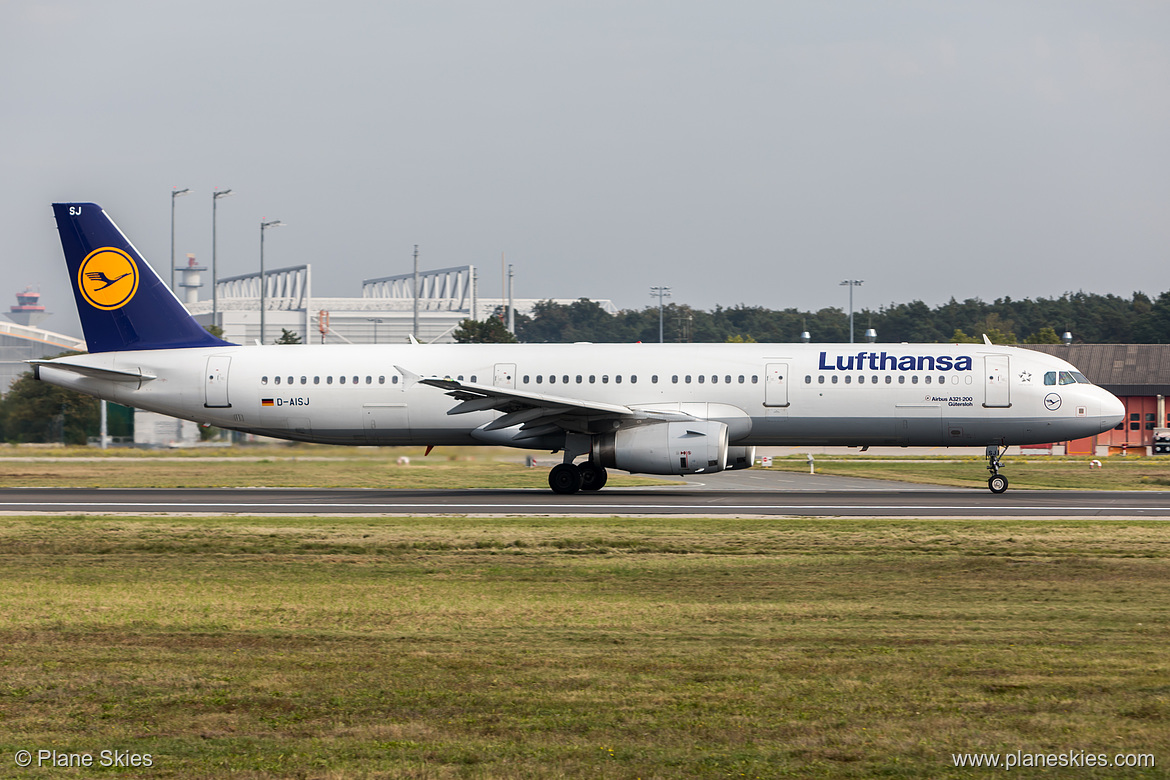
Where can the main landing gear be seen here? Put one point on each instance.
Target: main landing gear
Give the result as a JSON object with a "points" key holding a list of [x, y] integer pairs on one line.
{"points": [[996, 483], [568, 478]]}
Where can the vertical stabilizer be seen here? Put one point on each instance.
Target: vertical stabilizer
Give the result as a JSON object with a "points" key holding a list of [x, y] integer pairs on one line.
{"points": [[122, 302]]}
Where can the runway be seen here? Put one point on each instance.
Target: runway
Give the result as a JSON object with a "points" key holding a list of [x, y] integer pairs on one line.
{"points": [[746, 493]]}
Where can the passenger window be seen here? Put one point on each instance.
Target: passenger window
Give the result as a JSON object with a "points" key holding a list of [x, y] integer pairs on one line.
{"points": [[633, 379], [552, 380], [263, 380], [605, 379], [565, 379], [848, 378], [741, 379], [901, 379], [674, 379], [592, 379], [317, 380], [341, 380], [381, 380], [820, 379], [928, 379], [808, 379], [755, 379], [874, 380], [394, 379], [276, 380], [914, 379], [1050, 378], [727, 379], [834, 379], [369, 380], [702, 379], [578, 379], [687, 379], [473, 378], [860, 380], [889, 379], [304, 380], [525, 380], [654, 379], [539, 379], [328, 380], [355, 380], [618, 379]]}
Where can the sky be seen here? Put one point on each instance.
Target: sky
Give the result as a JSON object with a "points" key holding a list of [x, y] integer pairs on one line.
{"points": [[752, 152]]}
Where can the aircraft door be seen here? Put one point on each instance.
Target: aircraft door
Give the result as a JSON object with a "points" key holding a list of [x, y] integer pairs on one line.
{"points": [[505, 375], [215, 384], [996, 374], [776, 384]]}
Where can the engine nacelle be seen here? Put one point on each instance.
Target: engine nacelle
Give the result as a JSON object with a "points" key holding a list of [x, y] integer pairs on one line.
{"points": [[695, 447], [740, 458]]}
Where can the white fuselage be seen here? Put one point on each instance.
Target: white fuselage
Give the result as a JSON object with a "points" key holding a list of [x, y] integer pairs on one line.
{"points": [[768, 394]]}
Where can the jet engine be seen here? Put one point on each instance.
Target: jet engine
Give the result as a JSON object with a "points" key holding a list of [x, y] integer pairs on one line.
{"points": [[740, 458], [693, 447]]}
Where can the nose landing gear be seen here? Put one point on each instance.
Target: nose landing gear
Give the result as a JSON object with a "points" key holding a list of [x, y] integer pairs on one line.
{"points": [[996, 483]]}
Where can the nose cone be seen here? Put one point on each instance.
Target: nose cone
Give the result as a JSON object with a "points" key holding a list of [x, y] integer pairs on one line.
{"points": [[1112, 410]]}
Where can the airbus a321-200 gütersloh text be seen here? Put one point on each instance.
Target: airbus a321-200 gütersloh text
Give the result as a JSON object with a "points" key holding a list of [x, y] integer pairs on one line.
{"points": [[643, 408]]}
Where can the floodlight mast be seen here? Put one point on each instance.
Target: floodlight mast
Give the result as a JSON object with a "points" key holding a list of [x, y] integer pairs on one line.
{"points": [[660, 292], [174, 194], [264, 226], [851, 283]]}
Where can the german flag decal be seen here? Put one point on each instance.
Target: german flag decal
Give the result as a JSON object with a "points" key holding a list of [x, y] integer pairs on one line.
{"points": [[267, 402]]}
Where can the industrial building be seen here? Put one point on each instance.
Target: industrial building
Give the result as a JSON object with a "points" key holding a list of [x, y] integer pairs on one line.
{"points": [[385, 313]]}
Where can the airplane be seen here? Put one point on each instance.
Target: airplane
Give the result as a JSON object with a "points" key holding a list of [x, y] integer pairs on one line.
{"points": [[667, 409]]}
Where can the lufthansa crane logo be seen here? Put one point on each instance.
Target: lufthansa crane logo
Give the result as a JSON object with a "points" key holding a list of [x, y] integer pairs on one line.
{"points": [[108, 278]]}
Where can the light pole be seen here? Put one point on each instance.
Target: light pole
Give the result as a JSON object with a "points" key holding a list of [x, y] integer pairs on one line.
{"points": [[414, 332], [374, 320], [215, 196], [264, 226], [660, 292], [174, 194], [851, 283]]}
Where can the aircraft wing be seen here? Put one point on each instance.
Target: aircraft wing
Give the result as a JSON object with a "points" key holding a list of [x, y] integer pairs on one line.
{"points": [[536, 413]]}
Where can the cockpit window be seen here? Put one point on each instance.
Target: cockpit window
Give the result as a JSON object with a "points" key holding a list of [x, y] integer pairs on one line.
{"points": [[1081, 378], [1066, 378], [1050, 378]]}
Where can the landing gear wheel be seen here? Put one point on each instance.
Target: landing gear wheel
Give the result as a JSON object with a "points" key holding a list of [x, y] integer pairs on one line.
{"points": [[565, 479], [997, 483], [593, 477]]}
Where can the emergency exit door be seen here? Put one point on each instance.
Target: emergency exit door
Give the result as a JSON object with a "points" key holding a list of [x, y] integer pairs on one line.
{"points": [[776, 384], [996, 375], [215, 383]]}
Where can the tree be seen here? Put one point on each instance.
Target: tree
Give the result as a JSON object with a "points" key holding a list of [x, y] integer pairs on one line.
{"points": [[35, 411], [489, 331], [214, 330], [288, 337], [1046, 335]]}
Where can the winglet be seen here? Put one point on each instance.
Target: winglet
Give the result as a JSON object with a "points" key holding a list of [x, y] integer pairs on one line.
{"points": [[413, 340], [409, 378], [986, 340]]}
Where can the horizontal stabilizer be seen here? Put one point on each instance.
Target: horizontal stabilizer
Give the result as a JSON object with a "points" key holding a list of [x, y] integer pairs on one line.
{"points": [[109, 374]]}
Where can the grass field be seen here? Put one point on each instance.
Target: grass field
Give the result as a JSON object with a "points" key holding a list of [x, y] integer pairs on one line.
{"points": [[283, 466], [581, 648]]}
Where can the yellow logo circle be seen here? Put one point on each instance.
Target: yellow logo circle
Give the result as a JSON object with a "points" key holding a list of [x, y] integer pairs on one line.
{"points": [[108, 278]]}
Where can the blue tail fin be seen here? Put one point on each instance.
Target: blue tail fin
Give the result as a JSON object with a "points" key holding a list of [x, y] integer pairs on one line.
{"points": [[122, 302]]}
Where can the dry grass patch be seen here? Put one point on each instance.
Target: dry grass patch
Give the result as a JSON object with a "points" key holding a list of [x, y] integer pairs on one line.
{"points": [[596, 647]]}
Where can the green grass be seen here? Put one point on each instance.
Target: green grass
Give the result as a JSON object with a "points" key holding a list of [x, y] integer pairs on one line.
{"points": [[581, 648], [1041, 472], [299, 466]]}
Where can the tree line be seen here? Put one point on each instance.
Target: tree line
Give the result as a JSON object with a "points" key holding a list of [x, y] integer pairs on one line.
{"points": [[1091, 318]]}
